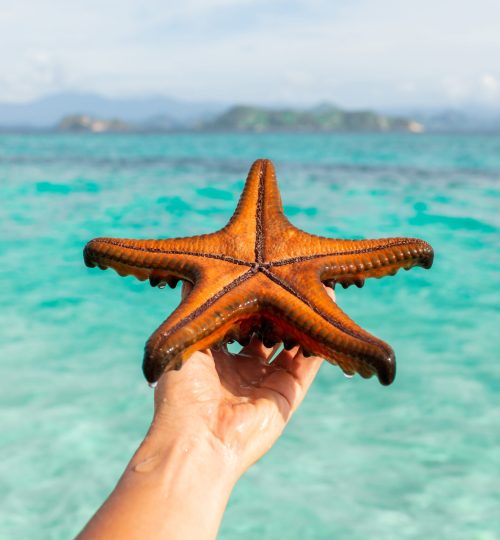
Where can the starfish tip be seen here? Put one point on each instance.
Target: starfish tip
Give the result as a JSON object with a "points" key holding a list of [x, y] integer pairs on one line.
{"points": [[427, 256], [87, 258], [387, 371]]}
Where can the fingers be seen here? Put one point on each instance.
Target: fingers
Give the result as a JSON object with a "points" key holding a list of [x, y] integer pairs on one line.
{"points": [[302, 369], [252, 363], [256, 349], [290, 376]]}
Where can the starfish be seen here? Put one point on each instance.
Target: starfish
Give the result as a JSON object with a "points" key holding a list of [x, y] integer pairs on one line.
{"points": [[262, 275]]}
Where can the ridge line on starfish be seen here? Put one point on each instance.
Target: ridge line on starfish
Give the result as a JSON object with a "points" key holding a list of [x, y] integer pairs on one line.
{"points": [[381, 247], [259, 216], [110, 241]]}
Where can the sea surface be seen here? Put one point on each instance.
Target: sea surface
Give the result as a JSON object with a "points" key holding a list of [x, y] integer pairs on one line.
{"points": [[417, 460]]}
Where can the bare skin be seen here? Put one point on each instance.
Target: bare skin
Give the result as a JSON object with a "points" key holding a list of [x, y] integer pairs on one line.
{"points": [[213, 419]]}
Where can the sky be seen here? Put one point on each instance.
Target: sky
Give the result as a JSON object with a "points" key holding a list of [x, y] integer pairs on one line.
{"points": [[355, 53]]}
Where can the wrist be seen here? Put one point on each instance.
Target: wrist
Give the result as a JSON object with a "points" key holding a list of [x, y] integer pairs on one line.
{"points": [[175, 487], [185, 479], [180, 458]]}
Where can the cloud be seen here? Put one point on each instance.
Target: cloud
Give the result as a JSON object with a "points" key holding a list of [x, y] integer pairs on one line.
{"points": [[490, 88], [356, 53]]}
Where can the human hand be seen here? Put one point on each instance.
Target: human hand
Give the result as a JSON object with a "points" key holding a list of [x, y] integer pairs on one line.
{"points": [[239, 402], [213, 418]]}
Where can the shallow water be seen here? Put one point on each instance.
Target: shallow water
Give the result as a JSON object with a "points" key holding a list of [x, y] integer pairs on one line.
{"points": [[420, 459]]}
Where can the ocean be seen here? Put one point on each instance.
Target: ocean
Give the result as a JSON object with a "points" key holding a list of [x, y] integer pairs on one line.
{"points": [[419, 459]]}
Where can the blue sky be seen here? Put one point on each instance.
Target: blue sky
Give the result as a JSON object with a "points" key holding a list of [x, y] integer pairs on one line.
{"points": [[357, 53]]}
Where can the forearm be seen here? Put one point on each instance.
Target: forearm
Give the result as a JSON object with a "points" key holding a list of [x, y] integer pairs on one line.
{"points": [[175, 489]]}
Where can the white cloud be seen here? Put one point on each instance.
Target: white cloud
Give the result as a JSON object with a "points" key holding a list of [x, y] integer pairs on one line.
{"points": [[356, 53]]}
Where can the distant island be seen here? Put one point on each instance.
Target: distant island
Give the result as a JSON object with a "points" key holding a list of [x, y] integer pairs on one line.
{"points": [[94, 113], [248, 119], [81, 123], [322, 118]]}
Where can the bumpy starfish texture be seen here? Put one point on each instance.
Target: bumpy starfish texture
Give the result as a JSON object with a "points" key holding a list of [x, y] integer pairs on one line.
{"points": [[261, 275]]}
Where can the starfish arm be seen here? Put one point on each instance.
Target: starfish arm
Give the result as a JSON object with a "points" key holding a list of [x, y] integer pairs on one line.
{"points": [[259, 209], [323, 329], [212, 313], [159, 260], [352, 261]]}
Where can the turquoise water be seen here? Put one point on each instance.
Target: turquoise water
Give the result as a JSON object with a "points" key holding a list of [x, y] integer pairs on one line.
{"points": [[420, 459]]}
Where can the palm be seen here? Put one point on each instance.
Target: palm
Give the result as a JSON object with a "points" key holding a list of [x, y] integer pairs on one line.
{"points": [[244, 401]]}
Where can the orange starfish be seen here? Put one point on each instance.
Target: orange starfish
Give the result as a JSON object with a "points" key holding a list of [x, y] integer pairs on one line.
{"points": [[260, 274]]}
